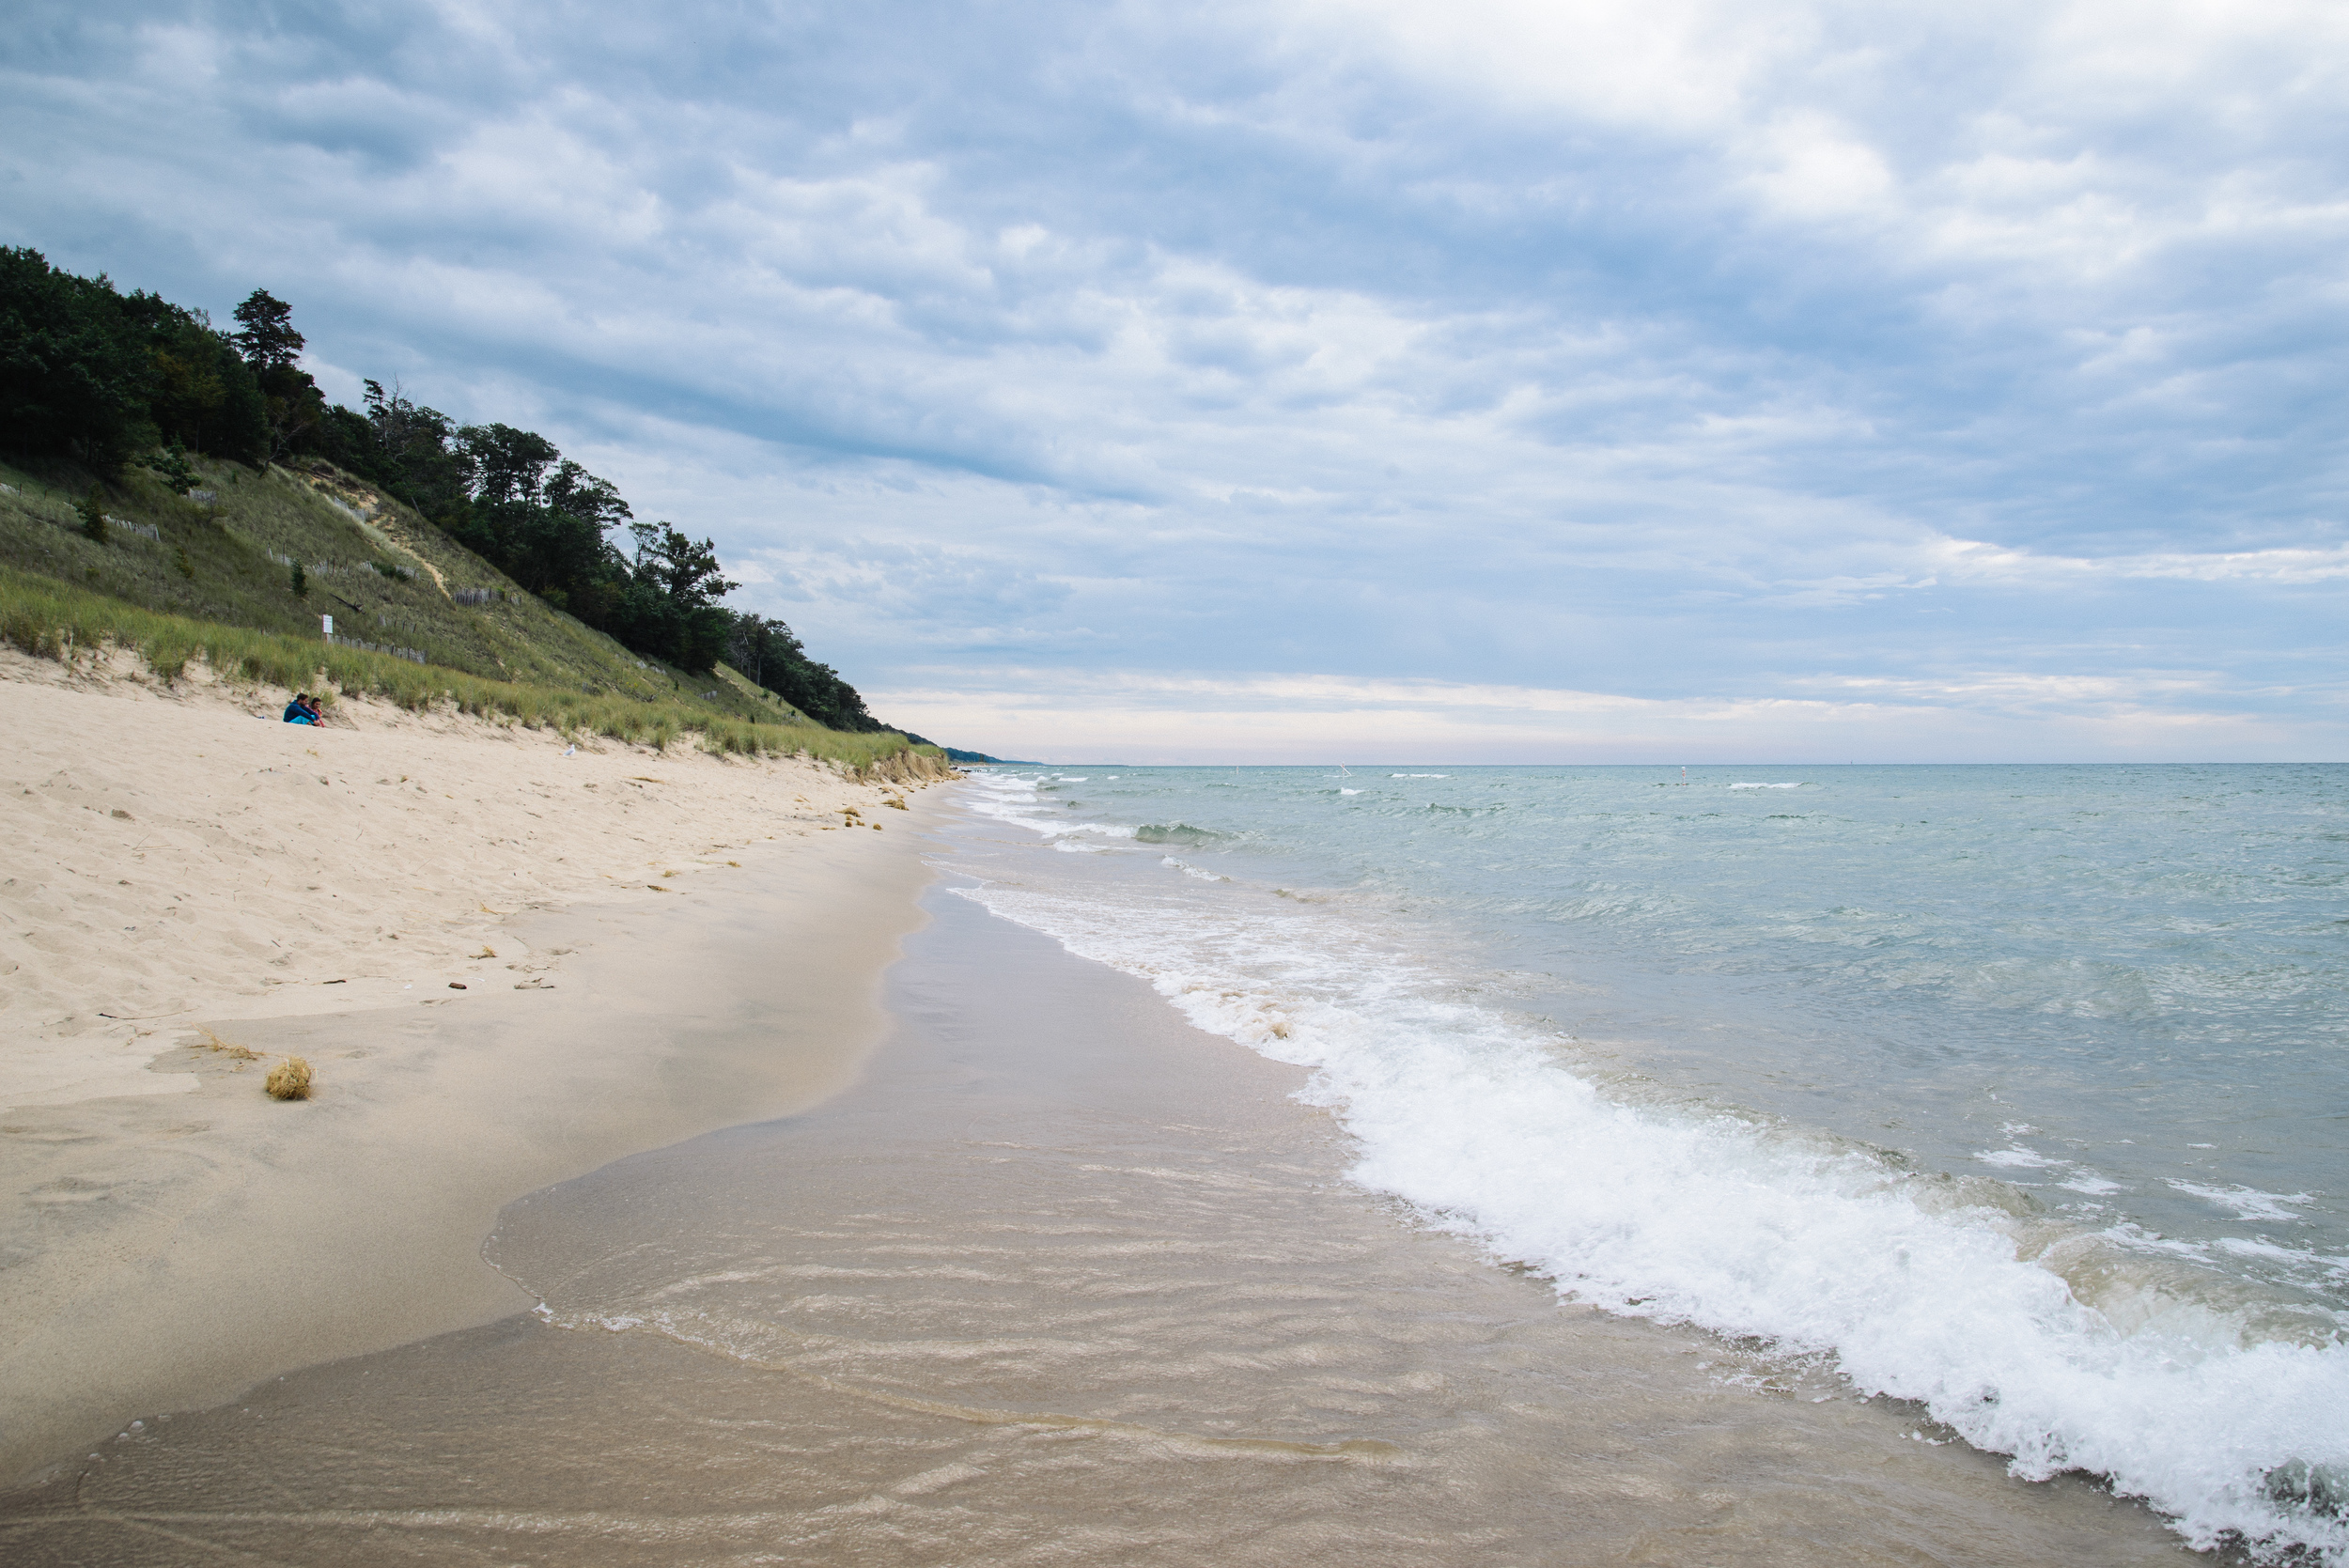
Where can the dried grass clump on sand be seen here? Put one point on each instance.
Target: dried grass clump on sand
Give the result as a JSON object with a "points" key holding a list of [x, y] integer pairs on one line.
{"points": [[290, 1079], [227, 1047]]}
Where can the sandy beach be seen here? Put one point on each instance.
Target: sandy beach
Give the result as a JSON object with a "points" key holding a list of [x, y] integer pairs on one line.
{"points": [[698, 1174], [508, 958]]}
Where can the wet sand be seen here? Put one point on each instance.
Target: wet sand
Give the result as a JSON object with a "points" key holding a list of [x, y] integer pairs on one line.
{"points": [[1058, 1278]]}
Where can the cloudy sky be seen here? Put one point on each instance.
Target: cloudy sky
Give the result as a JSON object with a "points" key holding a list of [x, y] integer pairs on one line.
{"points": [[1651, 380]]}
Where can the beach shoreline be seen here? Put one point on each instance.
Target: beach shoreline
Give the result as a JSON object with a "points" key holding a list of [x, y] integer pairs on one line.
{"points": [[496, 992], [1060, 1276]]}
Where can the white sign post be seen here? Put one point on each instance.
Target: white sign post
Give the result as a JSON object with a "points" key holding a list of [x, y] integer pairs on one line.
{"points": [[327, 622]]}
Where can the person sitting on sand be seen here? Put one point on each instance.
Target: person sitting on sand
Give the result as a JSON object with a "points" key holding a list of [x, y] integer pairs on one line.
{"points": [[301, 711]]}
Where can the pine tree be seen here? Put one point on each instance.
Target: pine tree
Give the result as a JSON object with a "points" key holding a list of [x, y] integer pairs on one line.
{"points": [[268, 341]]}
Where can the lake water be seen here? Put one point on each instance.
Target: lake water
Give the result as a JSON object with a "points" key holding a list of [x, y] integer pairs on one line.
{"points": [[2021, 1092]]}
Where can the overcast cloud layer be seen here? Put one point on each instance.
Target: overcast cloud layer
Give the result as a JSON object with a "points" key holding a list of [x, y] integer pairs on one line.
{"points": [[1646, 381]]}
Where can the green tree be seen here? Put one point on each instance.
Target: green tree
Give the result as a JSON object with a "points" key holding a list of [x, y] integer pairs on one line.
{"points": [[769, 652], [670, 604], [408, 448], [508, 465], [546, 532], [204, 396], [74, 377], [266, 334], [92, 508], [294, 409], [575, 491], [171, 467], [687, 571]]}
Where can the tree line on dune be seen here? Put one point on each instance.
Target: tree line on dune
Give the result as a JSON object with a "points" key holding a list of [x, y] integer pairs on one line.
{"points": [[104, 379]]}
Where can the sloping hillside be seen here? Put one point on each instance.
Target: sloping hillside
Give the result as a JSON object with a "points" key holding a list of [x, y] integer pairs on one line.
{"points": [[273, 550], [388, 577]]}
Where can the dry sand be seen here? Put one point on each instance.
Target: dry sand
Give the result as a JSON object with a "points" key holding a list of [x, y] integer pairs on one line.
{"points": [[168, 854], [507, 961]]}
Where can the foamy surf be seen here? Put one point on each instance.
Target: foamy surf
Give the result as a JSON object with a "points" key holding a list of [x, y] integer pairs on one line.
{"points": [[2062, 1349]]}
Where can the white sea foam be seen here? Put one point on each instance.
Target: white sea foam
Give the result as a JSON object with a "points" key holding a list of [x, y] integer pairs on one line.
{"points": [[2244, 1248], [1720, 1222], [1419, 775], [1349, 792], [2246, 1203], [1010, 797], [1006, 797], [1797, 785], [2016, 1159]]}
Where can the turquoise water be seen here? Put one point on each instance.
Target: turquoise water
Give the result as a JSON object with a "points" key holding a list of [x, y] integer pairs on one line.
{"points": [[2091, 1017]]}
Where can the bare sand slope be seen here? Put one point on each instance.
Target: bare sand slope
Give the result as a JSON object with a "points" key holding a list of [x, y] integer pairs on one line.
{"points": [[175, 873]]}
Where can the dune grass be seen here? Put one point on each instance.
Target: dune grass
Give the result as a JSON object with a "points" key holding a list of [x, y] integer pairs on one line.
{"points": [[49, 619]]}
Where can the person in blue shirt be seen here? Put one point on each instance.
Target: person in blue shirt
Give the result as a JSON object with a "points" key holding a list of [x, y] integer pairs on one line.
{"points": [[301, 711]]}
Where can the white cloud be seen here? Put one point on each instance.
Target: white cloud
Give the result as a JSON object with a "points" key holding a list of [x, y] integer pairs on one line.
{"points": [[1056, 715], [1971, 559], [1678, 66], [1815, 168], [1704, 350]]}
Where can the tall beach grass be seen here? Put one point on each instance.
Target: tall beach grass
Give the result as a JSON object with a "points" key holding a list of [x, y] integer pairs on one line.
{"points": [[49, 619]]}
